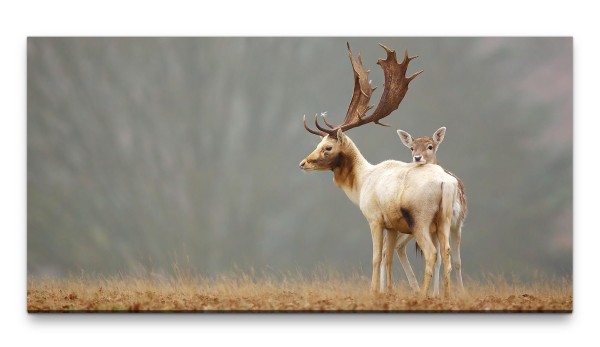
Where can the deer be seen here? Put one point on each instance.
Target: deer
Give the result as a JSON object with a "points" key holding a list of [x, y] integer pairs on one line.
{"points": [[395, 196], [424, 151]]}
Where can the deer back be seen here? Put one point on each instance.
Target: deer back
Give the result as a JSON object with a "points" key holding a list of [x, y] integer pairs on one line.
{"points": [[400, 195]]}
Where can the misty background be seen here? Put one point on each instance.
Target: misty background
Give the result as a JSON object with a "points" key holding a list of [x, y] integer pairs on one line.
{"points": [[160, 152]]}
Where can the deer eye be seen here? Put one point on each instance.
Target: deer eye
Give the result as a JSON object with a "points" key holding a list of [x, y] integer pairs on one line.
{"points": [[328, 148], [412, 149], [430, 147]]}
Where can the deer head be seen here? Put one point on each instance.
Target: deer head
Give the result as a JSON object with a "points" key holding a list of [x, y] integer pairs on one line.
{"points": [[327, 153], [423, 148]]}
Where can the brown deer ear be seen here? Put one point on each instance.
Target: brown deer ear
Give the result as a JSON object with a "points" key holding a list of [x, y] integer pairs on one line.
{"points": [[405, 137], [438, 136]]}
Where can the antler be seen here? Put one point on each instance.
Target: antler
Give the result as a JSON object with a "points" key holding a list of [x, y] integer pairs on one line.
{"points": [[395, 88], [359, 104]]}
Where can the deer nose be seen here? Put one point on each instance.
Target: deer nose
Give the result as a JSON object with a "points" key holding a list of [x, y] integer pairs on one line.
{"points": [[302, 163], [418, 158]]}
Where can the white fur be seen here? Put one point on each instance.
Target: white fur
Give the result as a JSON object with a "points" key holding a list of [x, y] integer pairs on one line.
{"points": [[382, 190]]}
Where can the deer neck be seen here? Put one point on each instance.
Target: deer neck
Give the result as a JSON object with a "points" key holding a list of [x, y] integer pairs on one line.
{"points": [[349, 172]]}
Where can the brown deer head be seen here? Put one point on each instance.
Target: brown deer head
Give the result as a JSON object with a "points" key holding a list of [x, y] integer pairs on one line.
{"points": [[423, 148]]}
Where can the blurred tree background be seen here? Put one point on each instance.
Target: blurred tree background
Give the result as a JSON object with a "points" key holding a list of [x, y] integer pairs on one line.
{"points": [[150, 152]]}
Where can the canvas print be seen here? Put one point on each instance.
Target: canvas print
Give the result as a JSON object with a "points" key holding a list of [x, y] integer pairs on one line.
{"points": [[299, 174]]}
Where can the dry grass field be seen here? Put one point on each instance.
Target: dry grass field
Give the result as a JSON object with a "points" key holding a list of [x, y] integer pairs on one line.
{"points": [[242, 293]]}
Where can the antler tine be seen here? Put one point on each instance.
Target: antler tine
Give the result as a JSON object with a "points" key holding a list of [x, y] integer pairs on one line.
{"points": [[327, 131], [331, 126], [382, 124], [389, 51], [312, 131], [412, 77], [407, 59]]}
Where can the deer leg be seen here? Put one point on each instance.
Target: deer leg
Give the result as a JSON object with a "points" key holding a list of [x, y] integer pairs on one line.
{"points": [[390, 243], [377, 238], [388, 236], [456, 262], [436, 268], [444, 248], [423, 238], [401, 251], [384, 256]]}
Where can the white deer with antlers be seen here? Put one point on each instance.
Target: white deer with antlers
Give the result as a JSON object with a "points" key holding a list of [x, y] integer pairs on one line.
{"points": [[424, 151], [398, 197]]}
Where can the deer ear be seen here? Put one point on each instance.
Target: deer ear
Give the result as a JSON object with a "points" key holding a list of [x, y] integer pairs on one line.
{"points": [[340, 136], [405, 137], [438, 136]]}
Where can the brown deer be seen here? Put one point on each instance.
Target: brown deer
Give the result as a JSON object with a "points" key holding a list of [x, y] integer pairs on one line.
{"points": [[424, 151], [399, 197]]}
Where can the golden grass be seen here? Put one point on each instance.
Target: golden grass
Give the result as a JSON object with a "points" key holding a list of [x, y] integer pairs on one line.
{"points": [[241, 292]]}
